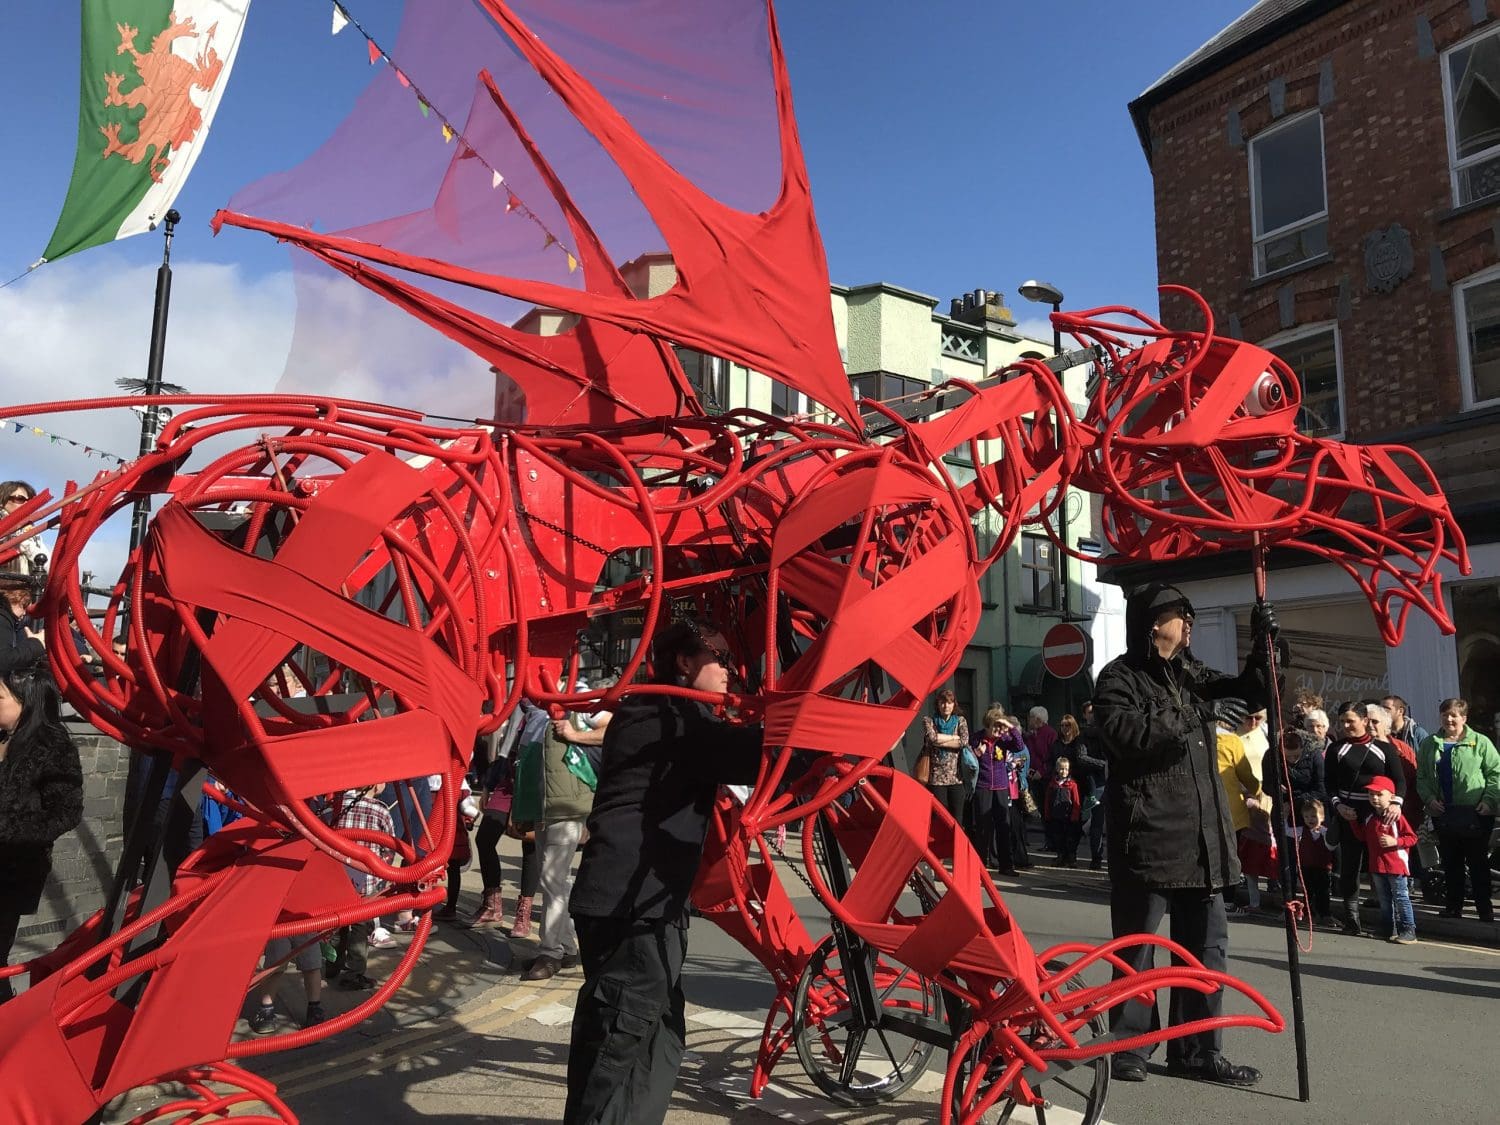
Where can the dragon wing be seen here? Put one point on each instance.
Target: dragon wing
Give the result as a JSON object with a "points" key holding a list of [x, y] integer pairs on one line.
{"points": [[547, 169]]}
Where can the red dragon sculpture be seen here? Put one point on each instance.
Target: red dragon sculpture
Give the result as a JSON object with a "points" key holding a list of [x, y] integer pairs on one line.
{"points": [[411, 573]]}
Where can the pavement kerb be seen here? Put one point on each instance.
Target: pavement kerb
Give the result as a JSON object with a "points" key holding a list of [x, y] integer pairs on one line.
{"points": [[1430, 924]]}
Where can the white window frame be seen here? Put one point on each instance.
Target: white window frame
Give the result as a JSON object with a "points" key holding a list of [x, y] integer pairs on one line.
{"points": [[1259, 239], [1292, 335], [1028, 573], [1461, 328], [1450, 124]]}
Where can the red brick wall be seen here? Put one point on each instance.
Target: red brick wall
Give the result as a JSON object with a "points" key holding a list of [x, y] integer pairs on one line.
{"points": [[1386, 161]]}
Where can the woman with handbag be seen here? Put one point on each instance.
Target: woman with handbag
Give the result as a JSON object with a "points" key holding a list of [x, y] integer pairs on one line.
{"points": [[1458, 779], [502, 815], [944, 734]]}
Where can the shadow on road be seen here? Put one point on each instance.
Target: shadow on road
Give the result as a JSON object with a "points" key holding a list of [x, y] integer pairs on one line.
{"points": [[1350, 974]]}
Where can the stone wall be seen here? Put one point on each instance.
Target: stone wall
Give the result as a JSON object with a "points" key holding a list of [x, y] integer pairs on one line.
{"points": [[83, 862]]}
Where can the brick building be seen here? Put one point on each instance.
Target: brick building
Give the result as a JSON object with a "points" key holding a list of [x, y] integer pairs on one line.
{"points": [[1327, 175]]}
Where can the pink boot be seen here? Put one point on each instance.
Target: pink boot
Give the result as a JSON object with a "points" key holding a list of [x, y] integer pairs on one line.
{"points": [[491, 911], [521, 926]]}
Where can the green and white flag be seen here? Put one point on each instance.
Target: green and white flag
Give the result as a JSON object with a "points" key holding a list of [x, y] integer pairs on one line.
{"points": [[153, 73]]}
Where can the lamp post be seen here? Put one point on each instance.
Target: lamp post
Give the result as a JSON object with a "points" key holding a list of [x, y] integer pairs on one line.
{"points": [[153, 384], [1045, 293]]}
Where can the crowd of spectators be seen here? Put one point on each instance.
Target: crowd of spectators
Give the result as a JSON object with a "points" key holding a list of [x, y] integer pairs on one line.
{"points": [[1368, 792], [1010, 775]]}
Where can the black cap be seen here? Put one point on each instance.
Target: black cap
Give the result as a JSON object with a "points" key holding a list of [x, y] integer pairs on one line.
{"points": [[1168, 597], [1144, 605]]}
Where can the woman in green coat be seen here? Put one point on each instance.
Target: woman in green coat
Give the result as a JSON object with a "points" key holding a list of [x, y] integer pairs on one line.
{"points": [[1458, 779]]}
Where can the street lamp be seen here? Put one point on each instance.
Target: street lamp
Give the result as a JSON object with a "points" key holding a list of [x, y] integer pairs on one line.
{"points": [[1045, 294]]}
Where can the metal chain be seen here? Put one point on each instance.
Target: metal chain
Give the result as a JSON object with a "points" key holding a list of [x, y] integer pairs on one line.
{"points": [[564, 532]]}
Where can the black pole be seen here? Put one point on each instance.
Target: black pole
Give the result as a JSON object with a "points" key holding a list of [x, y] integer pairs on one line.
{"points": [[1289, 873], [1062, 512], [143, 842], [142, 510]]}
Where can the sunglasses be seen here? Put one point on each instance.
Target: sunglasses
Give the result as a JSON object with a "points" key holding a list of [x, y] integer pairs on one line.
{"points": [[721, 656], [18, 498]]}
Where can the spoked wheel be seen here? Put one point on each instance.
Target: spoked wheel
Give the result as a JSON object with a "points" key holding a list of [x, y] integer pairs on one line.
{"points": [[1073, 1092], [857, 1062]]}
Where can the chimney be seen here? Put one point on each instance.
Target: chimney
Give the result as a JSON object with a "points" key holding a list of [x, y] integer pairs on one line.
{"points": [[981, 308]]}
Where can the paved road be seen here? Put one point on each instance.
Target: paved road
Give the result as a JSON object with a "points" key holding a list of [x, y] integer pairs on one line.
{"points": [[1399, 1034]]}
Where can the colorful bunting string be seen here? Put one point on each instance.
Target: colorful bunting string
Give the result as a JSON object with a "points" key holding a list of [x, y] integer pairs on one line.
{"points": [[342, 18], [57, 439]]}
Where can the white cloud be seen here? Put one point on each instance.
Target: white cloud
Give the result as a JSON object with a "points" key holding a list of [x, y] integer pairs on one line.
{"points": [[73, 327], [1037, 328]]}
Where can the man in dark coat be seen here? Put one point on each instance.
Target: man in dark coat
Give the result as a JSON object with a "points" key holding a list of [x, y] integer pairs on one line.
{"points": [[1171, 844]]}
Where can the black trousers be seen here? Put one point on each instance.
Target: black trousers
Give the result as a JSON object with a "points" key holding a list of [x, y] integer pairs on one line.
{"points": [[1199, 925], [487, 843], [991, 829], [1020, 854], [1065, 836], [1351, 859], [10, 925], [952, 798], [628, 1026], [1096, 834], [1472, 852], [1319, 890]]}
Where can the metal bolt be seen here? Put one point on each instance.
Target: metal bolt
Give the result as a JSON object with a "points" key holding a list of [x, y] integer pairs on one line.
{"points": [[531, 475], [491, 574], [544, 603]]}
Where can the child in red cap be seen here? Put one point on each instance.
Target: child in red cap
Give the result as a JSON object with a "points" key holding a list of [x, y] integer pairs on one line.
{"points": [[1386, 846]]}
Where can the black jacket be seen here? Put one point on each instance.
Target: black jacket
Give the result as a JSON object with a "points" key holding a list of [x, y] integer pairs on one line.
{"points": [[41, 789], [12, 628], [662, 763], [1306, 774], [1166, 812], [1089, 767], [1350, 766]]}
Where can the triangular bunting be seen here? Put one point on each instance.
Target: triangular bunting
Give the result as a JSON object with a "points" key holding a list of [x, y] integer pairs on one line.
{"points": [[511, 202], [447, 132], [423, 106], [496, 179], [374, 53], [572, 262], [401, 78], [340, 21]]}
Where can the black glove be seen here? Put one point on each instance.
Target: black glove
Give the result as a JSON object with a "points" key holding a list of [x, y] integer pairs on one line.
{"points": [[1233, 713], [1263, 624]]}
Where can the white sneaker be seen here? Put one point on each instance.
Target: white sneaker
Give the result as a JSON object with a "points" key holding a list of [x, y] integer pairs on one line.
{"points": [[381, 938]]}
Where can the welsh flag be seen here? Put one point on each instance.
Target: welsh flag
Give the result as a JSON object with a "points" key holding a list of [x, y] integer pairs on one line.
{"points": [[153, 72]]}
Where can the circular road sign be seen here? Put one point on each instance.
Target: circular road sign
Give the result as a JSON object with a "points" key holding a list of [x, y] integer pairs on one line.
{"points": [[1065, 651]]}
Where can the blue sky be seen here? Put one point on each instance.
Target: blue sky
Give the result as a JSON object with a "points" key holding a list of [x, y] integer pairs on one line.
{"points": [[951, 146]]}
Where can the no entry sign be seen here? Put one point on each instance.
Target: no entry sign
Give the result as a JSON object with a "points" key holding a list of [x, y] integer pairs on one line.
{"points": [[1065, 650]]}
